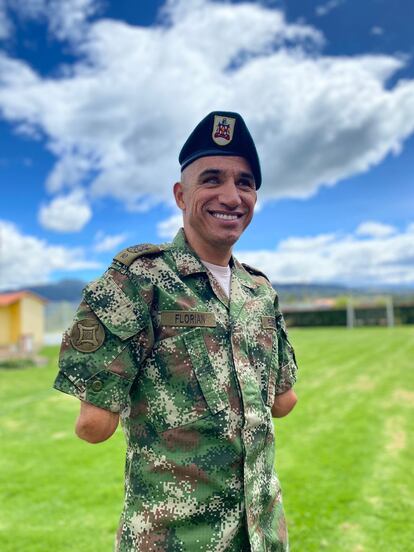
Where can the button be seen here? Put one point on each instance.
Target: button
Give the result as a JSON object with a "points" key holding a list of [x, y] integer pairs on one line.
{"points": [[97, 385]]}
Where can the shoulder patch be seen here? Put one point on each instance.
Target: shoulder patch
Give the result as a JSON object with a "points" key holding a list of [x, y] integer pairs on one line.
{"points": [[87, 335], [256, 273], [127, 256]]}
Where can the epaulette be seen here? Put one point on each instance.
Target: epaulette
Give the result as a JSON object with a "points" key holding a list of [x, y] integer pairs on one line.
{"points": [[255, 272], [127, 256]]}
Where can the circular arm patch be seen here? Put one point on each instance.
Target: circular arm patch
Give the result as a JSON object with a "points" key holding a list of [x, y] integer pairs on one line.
{"points": [[87, 335]]}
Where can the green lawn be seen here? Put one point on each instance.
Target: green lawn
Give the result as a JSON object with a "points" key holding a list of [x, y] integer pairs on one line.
{"points": [[344, 456]]}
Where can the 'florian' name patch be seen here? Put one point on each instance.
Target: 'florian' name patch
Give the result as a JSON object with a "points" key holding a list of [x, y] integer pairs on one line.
{"points": [[188, 318], [268, 322]]}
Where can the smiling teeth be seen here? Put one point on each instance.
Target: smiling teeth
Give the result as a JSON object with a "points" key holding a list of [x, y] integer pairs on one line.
{"points": [[225, 217]]}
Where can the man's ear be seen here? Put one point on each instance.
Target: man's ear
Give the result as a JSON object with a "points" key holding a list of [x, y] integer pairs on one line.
{"points": [[178, 195]]}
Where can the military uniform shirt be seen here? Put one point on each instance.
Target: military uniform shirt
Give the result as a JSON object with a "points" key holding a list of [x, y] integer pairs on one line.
{"points": [[193, 375]]}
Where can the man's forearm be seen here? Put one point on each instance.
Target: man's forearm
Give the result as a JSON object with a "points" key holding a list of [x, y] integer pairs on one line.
{"points": [[95, 424], [284, 403]]}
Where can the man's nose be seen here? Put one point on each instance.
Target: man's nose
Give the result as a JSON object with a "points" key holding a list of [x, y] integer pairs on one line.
{"points": [[229, 194]]}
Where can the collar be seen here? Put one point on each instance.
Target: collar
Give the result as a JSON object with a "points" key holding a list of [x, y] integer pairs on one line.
{"points": [[243, 275], [188, 262]]}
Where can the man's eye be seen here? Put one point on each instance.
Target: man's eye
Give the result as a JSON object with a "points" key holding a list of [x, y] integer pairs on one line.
{"points": [[211, 179], [245, 183]]}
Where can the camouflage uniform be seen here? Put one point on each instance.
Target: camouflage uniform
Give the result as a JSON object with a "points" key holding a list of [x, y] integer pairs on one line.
{"points": [[194, 376]]}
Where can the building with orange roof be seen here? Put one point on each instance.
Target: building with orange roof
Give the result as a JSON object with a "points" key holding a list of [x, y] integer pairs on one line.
{"points": [[22, 321]]}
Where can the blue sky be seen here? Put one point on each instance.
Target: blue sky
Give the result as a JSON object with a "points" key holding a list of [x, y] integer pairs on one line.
{"points": [[97, 97]]}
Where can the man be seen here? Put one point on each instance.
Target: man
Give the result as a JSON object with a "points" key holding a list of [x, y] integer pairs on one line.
{"points": [[188, 347]]}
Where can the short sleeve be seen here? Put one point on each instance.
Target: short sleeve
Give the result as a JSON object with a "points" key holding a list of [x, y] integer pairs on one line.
{"points": [[287, 366], [100, 354]]}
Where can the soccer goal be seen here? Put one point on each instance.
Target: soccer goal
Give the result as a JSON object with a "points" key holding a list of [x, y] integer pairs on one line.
{"points": [[370, 313]]}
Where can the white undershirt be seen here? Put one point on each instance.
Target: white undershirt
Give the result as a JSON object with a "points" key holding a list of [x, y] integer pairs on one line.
{"points": [[222, 274]]}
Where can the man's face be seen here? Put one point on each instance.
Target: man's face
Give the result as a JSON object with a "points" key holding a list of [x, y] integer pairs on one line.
{"points": [[217, 196]]}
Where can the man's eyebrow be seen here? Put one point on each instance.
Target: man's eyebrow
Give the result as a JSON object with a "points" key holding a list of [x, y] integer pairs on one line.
{"points": [[216, 172], [247, 175], [208, 172]]}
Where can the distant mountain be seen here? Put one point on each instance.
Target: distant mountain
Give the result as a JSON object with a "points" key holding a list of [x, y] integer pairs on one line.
{"points": [[71, 290], [300, 292], [65, 290], [311, 290]]}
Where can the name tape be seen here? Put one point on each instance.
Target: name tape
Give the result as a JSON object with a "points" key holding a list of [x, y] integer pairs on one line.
{"points": [[188, 318], [268, 322]]}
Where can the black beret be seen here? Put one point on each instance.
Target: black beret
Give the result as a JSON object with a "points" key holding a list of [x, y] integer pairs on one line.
{"points": [[221, 133]]}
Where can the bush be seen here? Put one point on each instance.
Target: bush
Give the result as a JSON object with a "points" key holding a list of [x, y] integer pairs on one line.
{"points": [[16, 363]]}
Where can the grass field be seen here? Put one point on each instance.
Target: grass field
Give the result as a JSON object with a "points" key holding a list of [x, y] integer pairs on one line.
{"points": [[345, 456]]}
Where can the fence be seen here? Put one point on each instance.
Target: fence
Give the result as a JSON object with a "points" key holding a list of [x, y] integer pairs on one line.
{"points": [[354, 316]]}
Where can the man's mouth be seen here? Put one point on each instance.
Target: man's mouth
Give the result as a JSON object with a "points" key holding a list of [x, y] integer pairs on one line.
{"points": [[225, 216]]}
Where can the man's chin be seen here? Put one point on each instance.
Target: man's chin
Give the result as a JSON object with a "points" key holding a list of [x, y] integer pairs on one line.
{"points": [[226, 240]]}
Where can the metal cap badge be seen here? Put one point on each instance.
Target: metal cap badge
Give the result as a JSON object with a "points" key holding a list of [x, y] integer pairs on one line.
{"points": [[221, 133]]}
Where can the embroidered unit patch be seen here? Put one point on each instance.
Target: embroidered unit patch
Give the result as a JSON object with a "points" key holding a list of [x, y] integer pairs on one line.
{"points": [[268, 323], [87, 335], [223, 130]]}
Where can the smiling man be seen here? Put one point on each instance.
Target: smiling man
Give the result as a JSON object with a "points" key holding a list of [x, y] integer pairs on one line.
{"points": [[217, 196], [189, 349]]}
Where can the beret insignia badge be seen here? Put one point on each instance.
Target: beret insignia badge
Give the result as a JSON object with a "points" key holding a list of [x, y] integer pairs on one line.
{"points": [[87, 335], [223, 130]]}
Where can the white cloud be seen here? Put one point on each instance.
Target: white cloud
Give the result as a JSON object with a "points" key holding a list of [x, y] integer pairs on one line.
{"points": [[66, 213], [347, 259], [68, 171], [169, 227], [375, 229], [117, 119], [26, 260], [104, 243], [377, 31], [324, 9], [5, 24], [66, 19]]}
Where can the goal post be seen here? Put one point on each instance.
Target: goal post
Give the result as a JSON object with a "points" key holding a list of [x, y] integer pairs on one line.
{"points": [[370, 313]]}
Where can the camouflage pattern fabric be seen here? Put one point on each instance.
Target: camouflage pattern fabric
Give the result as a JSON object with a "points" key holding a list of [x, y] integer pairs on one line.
{"points": [[193, 376]]}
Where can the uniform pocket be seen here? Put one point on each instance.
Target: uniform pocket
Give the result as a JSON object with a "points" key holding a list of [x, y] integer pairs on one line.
{"points": [[287, 367], [204, 370], [115, 310], [183, 381], [262, 348], [264, 358], [270, 389]]}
